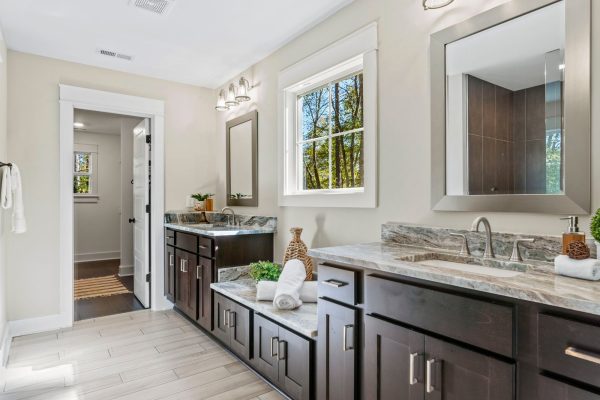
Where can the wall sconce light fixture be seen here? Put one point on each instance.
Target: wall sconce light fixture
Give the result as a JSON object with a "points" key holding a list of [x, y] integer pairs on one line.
{"points": [[433, 4], [235, 95], [221, 106]]}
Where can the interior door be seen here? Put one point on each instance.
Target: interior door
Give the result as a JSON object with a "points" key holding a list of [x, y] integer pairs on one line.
{"points": [[141, 219]]}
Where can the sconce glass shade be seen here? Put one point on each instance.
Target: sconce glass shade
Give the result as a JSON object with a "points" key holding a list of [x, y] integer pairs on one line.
{"points": [[243, 89], [231, 101], [433, 4], [221, 106]]}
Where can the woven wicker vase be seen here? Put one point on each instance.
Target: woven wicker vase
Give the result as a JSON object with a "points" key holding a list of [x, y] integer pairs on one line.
{"points": [[297, 250]]}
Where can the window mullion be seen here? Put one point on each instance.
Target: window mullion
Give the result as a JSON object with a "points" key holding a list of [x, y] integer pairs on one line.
{"points": [[330, 139]]}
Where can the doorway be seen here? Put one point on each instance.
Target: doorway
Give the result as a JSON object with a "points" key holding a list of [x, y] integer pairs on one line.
{"points": [[110, 194]]}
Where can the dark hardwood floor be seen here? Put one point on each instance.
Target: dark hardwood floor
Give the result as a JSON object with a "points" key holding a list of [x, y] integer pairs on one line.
{"points": [[102, 306]]}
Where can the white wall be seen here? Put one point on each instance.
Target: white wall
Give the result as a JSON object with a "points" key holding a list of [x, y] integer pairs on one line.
{"points": [[33, 143], [98, 225], [4, 216], [404, 127]]}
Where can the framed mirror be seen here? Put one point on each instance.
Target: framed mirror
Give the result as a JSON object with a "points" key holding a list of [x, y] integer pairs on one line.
{"points": [[242, 160], [511, 119]]}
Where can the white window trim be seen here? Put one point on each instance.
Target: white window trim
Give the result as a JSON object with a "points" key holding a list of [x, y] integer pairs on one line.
{"points": [[92, 197], [356, 52]]}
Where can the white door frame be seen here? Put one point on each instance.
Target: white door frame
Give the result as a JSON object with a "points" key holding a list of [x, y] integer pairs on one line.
{"points": [[71, 98]]}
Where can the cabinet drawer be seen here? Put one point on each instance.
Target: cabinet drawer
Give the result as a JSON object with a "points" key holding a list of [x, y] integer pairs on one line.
{"points": [[338, 284], [550, 389], [170, 237], [569, 348], [187, 242], [205, 246], [476, 322]]}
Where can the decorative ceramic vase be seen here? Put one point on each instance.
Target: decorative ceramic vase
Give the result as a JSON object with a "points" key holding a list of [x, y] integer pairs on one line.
{"points": [[297, 250], [208, 204], [199, 206]]}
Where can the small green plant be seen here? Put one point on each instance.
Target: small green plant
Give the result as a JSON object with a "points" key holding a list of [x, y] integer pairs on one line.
{"points": [[202, 197], [595, 226], [265, 271]]}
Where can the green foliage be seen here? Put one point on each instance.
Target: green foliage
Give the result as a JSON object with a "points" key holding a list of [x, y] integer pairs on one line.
{"points": [[265, 271], [202, 197], [595, 226]]}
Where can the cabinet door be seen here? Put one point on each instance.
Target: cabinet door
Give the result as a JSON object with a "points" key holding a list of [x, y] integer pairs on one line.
{"points": [[394, 362], [204, 277], [187, 301], [452, 372], [266, 337], [336, 352], [294, 355], [222, 308], [549, 389], [239, 329], [170, 273]]}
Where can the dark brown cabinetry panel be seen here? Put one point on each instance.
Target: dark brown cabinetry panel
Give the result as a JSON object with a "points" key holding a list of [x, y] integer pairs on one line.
{"points": [[170, 237], [266, 337], [479, 323], [337, 355], [186, 289], [221, 307], [394, 362], [187, 242], [170, 273], [204, 275], [550, 389], [232, 325], [452, 372]]}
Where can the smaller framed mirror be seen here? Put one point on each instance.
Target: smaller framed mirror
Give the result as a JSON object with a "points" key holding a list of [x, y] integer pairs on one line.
{"points": [[242, 160]]}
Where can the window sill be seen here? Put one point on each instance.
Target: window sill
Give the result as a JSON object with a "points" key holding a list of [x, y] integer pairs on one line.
{"points": [[86, 198], [351, 198]]}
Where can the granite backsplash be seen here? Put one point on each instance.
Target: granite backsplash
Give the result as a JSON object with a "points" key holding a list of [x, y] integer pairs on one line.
{"points": [[195, 217]]}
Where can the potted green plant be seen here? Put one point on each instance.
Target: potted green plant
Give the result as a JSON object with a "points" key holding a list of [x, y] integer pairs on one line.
{"points": [[204, 202], [595, 229], [265, 271]]}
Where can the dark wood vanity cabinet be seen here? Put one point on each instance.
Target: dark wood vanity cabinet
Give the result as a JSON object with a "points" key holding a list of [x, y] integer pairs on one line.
{"points": [[337, 353], [283, 357], [170, 274], [233, 326], [186, 284], [551, 389]]}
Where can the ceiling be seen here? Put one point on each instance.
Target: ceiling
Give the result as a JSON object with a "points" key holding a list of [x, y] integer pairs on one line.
{"points": [[199, 42], [513, 54], [99, 122]]}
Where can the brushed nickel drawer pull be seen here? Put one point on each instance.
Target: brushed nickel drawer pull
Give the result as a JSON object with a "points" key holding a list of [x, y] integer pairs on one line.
{"points": [[411, 369], [202, 247], [198, 272], [274, 340], [282, 350], [429, 386], [232, 319], [334, 283], [226, 317], [171, 260], [345, 338], [583, 355]]}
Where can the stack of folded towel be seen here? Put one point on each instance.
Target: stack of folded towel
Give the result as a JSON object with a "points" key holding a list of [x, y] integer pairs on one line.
{"points": [[583, 269], [291, 290]]}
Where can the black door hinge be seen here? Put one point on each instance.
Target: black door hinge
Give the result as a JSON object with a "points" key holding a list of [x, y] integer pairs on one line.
{"points": [[147, 277], [148, 139], [148, 208]]}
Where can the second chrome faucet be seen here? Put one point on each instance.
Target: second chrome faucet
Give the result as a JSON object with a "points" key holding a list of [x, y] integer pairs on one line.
{"points": [[489, 248]]}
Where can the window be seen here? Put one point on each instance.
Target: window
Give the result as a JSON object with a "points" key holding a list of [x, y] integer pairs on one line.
{"points": [[330, 138], [329, 126], [85, 175]]}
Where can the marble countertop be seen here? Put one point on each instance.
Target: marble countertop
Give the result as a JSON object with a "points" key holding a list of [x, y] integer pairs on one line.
{"points": [[538, 284], [211, 230], [302, 320]]}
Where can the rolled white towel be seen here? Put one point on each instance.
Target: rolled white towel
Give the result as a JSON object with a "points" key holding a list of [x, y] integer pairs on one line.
{"points": [[287, 294], [583, 269], [265, 291]]}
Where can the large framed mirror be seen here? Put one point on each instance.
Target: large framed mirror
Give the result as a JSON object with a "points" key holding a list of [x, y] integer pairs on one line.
{"points": [[242, 160], [511, 119]]}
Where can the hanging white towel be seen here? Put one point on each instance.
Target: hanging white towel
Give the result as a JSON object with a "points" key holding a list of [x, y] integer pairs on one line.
{"points": [[19, 224], [6, 198], [287, 295]]}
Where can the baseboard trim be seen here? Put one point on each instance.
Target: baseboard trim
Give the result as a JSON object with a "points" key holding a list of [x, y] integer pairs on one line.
{"points": [[100, 256], [125, 270], [5, 345], [30, 326]]}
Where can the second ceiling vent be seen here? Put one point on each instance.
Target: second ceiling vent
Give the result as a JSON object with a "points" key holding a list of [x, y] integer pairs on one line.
{"points": [[160, 7]]}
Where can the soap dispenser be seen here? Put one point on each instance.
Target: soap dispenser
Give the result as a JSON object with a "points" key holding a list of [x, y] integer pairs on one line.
{"points": [[572, 234]]}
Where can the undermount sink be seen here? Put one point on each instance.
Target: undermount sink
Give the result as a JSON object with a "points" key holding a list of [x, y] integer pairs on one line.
{"points": [[471, 268]]}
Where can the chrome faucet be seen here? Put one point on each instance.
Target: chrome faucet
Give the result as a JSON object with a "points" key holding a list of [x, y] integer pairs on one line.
{"points": [[232, 213], [489, 248]]}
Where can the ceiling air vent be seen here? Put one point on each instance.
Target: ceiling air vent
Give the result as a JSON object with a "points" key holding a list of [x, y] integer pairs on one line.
{"points": [[114, 54], [160, 7]]}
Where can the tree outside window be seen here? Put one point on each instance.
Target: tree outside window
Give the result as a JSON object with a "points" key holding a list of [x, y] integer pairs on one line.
{"points": [[330, 138]]}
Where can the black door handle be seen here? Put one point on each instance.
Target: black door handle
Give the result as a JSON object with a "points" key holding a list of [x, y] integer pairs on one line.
{"points": [[132, 220]]}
